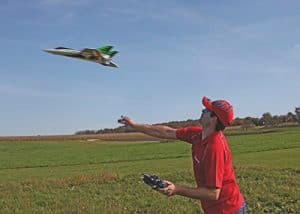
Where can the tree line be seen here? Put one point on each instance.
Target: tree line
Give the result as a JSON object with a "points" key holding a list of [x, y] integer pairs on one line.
{"points": [[266, 120]]}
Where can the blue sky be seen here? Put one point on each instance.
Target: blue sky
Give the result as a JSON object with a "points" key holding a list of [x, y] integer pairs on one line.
{"points": [[171, 54]]}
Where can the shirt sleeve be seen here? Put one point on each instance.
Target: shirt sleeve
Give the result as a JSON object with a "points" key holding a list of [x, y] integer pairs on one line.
{"points": [[214, 165], [188, 134]]}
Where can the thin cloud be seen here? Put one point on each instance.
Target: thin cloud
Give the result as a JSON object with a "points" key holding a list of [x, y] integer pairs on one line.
{"points": [[64, 2], [266, 28], [297, 46], [14, 90], [8, 89], [150, 11]]}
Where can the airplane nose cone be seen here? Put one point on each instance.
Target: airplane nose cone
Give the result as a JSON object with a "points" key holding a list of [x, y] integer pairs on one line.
{"points": [[47, 50]]}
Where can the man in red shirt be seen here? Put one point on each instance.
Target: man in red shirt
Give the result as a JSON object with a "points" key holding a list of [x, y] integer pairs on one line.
{"points": [[216, 188]]}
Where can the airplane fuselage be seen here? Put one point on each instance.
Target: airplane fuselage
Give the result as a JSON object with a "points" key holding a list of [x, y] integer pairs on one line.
{"points": [[98, 58], [63, 52]]}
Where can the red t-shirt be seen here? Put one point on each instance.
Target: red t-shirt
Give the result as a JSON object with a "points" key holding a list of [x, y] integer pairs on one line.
{"points": [[212, 164]]}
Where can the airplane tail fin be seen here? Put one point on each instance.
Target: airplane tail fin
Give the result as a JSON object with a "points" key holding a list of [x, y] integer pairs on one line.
{"points": [[105, 49], [112, 53]]}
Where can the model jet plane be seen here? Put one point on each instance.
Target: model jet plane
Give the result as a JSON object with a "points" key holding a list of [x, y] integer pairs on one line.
{"points": [[102, 55]]}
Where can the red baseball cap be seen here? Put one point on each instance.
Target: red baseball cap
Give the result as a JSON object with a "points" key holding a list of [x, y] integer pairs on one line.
{"points": [[222, 108]]}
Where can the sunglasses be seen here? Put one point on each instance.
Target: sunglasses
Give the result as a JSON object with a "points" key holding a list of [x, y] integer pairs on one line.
{"points": [[205, 111]]}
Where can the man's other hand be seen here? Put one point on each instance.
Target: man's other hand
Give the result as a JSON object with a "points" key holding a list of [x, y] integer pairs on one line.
{"points": [[126, 121]]}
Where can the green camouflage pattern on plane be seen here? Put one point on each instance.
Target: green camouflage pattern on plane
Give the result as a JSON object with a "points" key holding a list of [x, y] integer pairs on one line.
{"points": [[107, 50]]}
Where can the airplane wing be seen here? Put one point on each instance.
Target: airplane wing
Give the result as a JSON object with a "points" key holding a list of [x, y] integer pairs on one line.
{"points": [[62, 48]]}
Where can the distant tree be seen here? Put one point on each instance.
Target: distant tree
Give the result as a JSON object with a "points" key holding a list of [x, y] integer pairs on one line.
{"points": [[255, 121], [291, 117], [275, 121], [266, 119], [297, 111], [237, 122], [84, 132], [247, 123]]}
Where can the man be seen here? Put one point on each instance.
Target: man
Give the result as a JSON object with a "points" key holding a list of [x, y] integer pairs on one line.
{"points": [[216, 188]]}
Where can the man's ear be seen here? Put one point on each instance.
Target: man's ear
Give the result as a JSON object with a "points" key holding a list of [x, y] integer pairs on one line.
{"points": [[214, 118]]}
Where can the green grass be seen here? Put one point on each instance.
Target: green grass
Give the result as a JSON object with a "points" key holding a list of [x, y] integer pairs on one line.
{"points": [[104, 177]]}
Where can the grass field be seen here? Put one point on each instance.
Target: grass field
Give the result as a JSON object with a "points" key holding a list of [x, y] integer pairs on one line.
{"points": [[80, 176]]}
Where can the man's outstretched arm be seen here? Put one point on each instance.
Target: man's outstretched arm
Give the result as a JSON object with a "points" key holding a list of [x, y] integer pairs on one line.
{"points": [[159, 131], [202, 193]]}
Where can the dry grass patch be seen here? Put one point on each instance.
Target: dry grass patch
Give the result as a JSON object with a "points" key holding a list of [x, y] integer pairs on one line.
{"points": [[85, 179], [78, 180], [132, 136]]}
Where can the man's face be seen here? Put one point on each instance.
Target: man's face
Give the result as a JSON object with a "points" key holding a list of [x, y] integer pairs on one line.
{"points": [[206, 118]]}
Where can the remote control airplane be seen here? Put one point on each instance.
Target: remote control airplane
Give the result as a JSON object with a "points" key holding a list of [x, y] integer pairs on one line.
{"points": [[102, 55]]}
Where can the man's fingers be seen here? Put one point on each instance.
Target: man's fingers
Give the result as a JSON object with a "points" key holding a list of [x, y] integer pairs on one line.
{"points": [[167, 182], [123, 120]]}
